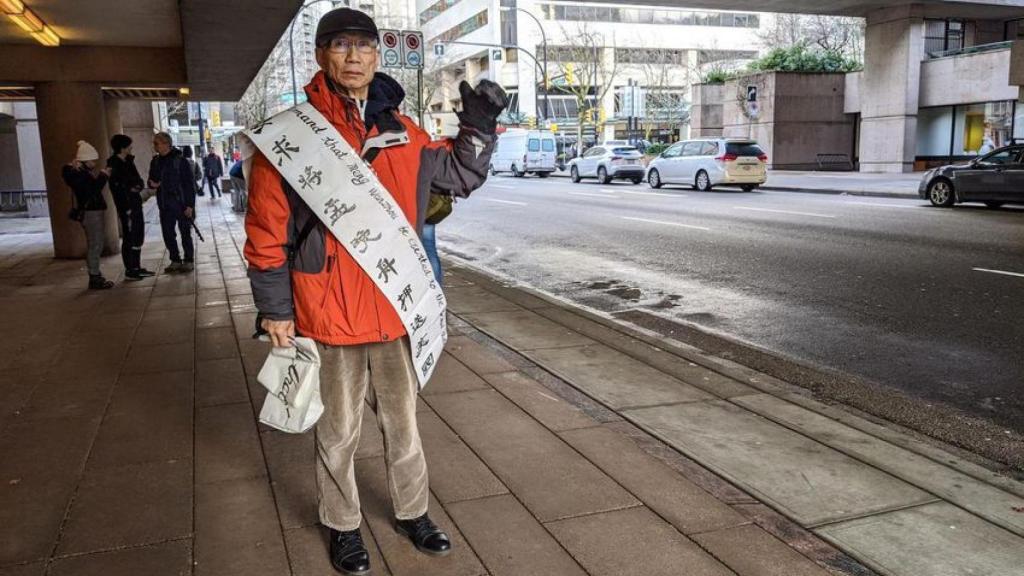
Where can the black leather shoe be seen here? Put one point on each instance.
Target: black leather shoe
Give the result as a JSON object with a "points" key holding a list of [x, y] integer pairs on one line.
{"points": [[145, 273], [425, 535], [348, 553]]}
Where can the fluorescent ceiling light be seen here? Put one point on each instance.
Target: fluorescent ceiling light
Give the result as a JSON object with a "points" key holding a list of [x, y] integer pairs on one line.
{"points": [[12, 6], [27, 21], [47, 37]]}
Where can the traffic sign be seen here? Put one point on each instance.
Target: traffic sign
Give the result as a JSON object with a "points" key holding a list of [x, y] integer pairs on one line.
{"points": [[390, 49], [439, 50], [412, 42], [751, 93], [497, 54]]}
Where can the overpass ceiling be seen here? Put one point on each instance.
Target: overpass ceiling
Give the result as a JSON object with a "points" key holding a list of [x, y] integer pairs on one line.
{"points": [[144, 23], [222, 42], [943, 8]]}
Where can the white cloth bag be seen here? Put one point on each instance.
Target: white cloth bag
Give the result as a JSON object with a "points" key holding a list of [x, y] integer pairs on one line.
{"points": [[292, 376]]}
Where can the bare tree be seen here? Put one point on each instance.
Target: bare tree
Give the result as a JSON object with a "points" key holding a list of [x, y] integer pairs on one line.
{"points": [[666, 78], [588, 74], [836, 34]]}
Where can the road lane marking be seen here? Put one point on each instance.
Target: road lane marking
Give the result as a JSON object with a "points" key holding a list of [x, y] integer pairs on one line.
{"points": [[592, 195], [662, 194], [506, 202], [1000, 272], [501, 186], [883, 205], [663, 223], [812, 214]]}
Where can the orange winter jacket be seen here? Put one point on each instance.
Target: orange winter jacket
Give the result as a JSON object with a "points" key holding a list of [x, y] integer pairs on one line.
{"points": [[297, 268]]}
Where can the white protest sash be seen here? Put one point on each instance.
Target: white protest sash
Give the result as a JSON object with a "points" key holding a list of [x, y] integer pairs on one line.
{"points": [[342, 190]]}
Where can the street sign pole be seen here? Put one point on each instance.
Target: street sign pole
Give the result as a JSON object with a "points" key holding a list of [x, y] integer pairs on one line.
{"points": [[419, 94]]}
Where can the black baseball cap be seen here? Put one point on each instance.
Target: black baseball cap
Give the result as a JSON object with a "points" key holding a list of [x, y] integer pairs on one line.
{"points": [[344, 20]]}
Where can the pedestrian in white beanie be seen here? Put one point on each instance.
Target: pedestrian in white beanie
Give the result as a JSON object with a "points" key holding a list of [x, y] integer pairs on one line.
{"points": [[86, 152], [86, 181]]}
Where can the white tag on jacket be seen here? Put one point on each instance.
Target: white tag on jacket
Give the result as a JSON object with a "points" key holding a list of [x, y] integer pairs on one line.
{"points": [[345, 194]]}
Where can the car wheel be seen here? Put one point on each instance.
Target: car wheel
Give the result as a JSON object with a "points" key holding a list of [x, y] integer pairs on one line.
{"points": [[748, 187], [654, 179], [493, 171], [602, 176], [543, 174], [940, 193], [994, 205], [516, 172], [574, 175], [703, 181], [636, 179]]}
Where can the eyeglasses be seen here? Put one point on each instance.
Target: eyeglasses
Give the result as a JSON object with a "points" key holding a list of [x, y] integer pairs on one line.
{"points": [[342, 45]]}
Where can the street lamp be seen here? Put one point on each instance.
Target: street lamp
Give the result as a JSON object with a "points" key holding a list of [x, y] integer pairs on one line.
{"points": [[291, 47], [544, 55]]}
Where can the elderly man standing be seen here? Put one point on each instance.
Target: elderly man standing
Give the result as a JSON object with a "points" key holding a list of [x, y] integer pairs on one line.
{"points": [[307, 281], [172, 177]]}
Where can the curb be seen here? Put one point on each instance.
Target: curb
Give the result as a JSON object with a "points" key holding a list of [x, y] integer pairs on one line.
{"points": [[826, 191]]}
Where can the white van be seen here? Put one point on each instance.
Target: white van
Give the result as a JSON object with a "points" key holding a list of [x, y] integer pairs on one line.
{"points": [[524, 152]]}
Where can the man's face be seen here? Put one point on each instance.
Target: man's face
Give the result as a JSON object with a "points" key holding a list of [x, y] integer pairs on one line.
{"points": [[161, 146], [349, 60]]}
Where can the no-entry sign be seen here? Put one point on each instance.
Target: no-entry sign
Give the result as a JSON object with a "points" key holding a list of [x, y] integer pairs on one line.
{"points": [[391, 49], [413, 48]]}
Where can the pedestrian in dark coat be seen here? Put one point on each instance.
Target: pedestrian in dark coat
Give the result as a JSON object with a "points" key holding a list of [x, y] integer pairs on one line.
{"points": [[126, 187], [213, 169], [175, 186]]}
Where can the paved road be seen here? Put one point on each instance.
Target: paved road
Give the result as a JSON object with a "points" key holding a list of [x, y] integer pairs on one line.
{"points": [[889, 291]]}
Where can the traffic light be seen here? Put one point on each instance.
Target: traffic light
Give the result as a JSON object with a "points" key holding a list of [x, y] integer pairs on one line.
{"points": [[531, 121], [569, 76], [588, 115], [602, 116]]}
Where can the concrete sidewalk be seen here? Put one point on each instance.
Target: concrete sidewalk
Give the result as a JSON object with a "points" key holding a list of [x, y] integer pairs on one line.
{"points": [[559, 443], [849, 183]]}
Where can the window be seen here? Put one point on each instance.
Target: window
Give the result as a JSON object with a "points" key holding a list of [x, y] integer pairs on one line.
{"points": [[942, 36], [1008, 156], [435, 9], [743, 149], [692, 148], [935, 131], [661, 16], [469, 25], [594, 152], [980, 128], [673, 151], [709, 149], [548, 145], [533, 145]]}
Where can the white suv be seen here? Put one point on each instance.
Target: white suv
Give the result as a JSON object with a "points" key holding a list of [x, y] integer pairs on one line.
{"points": [[706, 163], [607, 163]]}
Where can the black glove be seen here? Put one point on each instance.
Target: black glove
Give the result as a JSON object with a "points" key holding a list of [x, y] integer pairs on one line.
{"points": [[481, 107]]}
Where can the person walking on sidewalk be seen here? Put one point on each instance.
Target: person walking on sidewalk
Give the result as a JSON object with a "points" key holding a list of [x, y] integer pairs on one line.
{"points": [[305, 281], [126, 187], [213, 169], [86, 181], [175, 186], [197, 172]]}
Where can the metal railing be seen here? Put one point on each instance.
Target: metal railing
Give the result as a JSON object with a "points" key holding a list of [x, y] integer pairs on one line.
{"points": [[979, 49]]}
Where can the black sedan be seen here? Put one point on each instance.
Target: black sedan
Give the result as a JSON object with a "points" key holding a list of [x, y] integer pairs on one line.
{"points": [[996, 178]]}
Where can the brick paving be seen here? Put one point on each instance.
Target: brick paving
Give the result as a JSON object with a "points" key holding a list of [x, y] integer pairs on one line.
{"points": [[129, 445]]}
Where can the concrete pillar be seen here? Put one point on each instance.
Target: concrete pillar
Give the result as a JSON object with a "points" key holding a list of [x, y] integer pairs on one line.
{"points": [[138, 123], [10, 164], [69, 112], [894, 49], [30, 153]]}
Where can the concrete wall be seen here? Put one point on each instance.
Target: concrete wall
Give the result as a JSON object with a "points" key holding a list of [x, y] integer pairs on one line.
{"points": [[137, 123], [851, 99], [10, 166], [706, 111], [967, 79], [801, 116]]}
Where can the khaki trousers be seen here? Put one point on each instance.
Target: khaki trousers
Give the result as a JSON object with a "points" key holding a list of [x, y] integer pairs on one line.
{"points": [[383, 375]]}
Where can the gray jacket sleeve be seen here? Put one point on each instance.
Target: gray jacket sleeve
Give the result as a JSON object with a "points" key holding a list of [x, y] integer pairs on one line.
{"points": [[455, 168]]}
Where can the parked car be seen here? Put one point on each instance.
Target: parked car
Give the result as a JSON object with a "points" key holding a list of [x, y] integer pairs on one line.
{"points": [[706, 163], [607, 163], [524, 152], [996, 178]]}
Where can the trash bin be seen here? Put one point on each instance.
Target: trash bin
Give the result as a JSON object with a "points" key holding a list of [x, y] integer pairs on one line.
{"points": [[38, 206]]}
